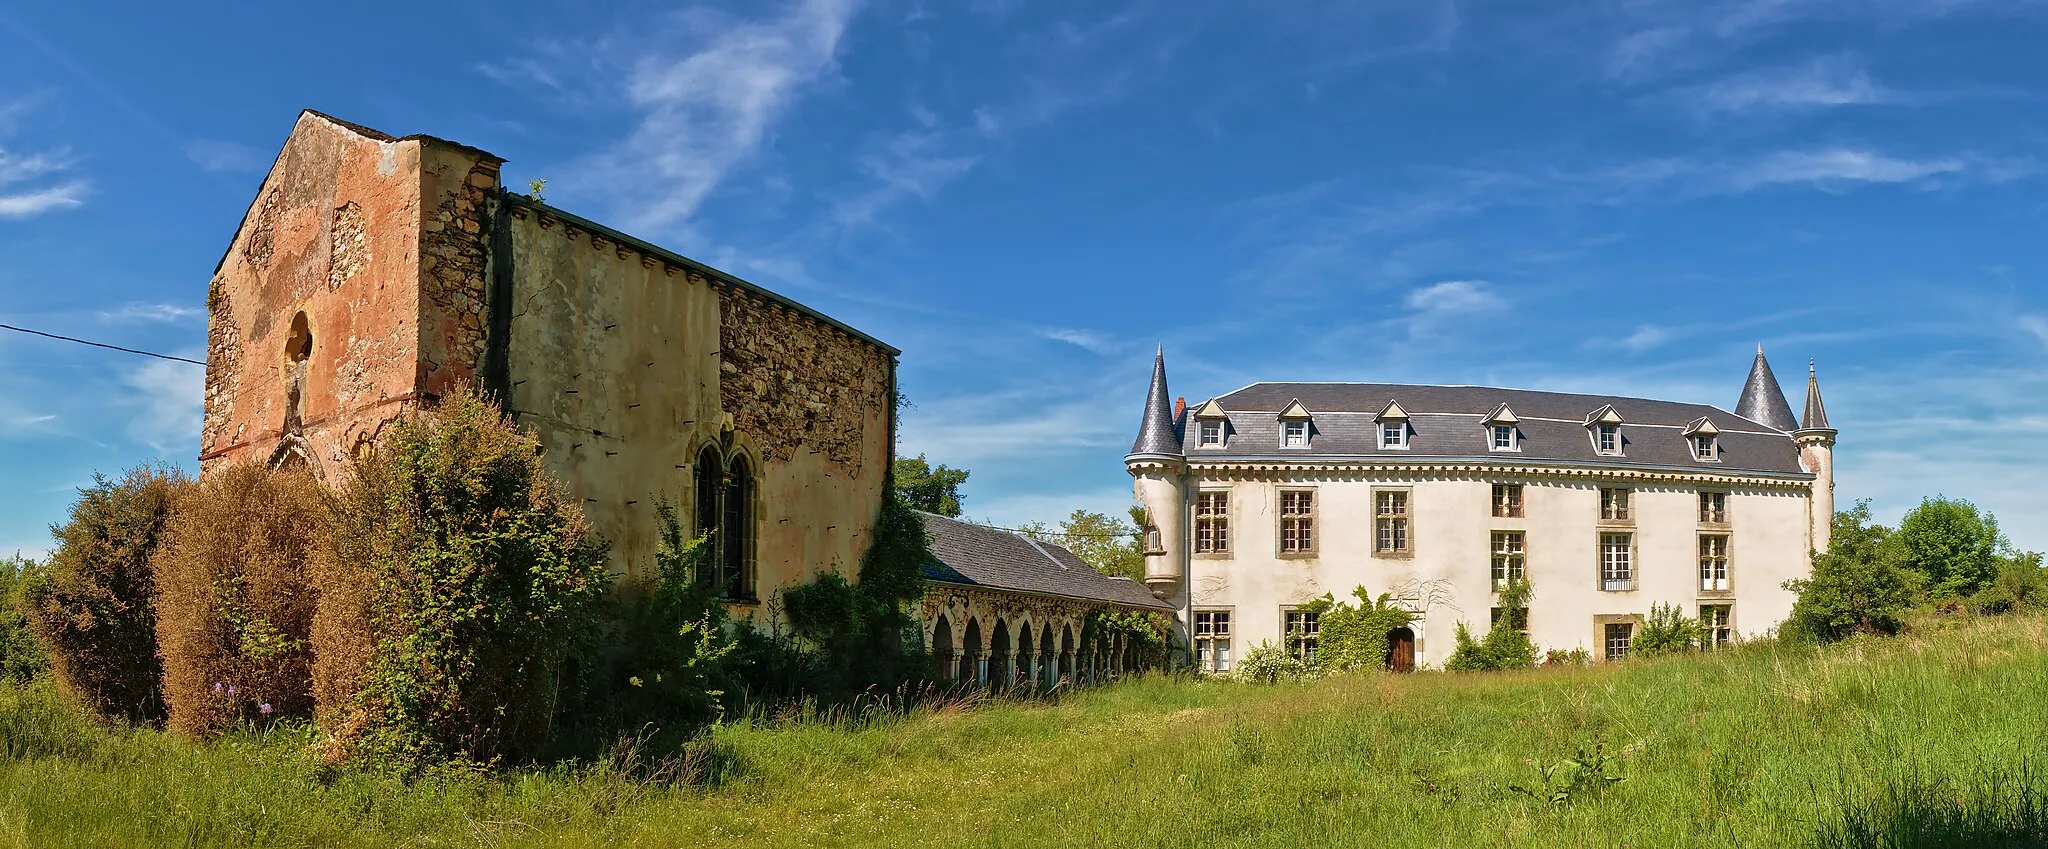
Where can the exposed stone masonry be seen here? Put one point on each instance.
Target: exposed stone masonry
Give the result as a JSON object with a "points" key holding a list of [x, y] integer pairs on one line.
{"points": [[263, 239], [223, 360], [347, 253], [452, 259], [808, 390]]}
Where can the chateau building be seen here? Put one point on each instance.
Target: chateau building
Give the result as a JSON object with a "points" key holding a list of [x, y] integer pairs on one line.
{"points": [[373, 274], [1003, 609], [1267, 497]]}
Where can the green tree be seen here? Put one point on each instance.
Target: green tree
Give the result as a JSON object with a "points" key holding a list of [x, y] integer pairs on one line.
{"points": [[20, 658], [1859, 585], [1667, 631], [1113, 547], [2022, 584], [933, 489], [1952, 544], [1505, 645]]}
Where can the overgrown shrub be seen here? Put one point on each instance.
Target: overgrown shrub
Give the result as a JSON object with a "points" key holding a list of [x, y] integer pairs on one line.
{"points": [[852, 637], [1269, 663], [1356, 637], [2021, 584], [235, 599], [1858, 585], [21, 660], [1667, 630], [1567, 657], [460, 576], [1143, 637], [1505, 646], [92, 606], [1953, 545]]}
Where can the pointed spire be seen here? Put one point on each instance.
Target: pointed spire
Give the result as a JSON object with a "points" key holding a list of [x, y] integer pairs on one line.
{"points": [[1816, 417], [1763, 401], [1156, 433]]}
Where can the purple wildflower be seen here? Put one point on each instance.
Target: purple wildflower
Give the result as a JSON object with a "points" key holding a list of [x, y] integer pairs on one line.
{"points": [[265, 708], [216, 688]]}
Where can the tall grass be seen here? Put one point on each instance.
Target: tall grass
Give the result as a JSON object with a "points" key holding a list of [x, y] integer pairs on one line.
{"points": [[1931, 740]]}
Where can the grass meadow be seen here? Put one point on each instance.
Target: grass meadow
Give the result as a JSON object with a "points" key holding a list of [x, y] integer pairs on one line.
{"points": [[1935, 739]]}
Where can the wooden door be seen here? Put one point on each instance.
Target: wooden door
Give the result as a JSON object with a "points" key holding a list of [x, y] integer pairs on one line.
{"points": [[1401, 650]]}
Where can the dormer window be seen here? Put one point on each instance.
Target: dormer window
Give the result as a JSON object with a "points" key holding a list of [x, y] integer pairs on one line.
{"points": [[1212, 425], [1605, 427], [1501, 431], [1294, 434], [1294, 425], [1704, 439], [1393, 423]]}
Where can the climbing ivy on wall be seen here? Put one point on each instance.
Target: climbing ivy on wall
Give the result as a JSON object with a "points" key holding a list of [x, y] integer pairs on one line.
{"points": [[1355, 636]]}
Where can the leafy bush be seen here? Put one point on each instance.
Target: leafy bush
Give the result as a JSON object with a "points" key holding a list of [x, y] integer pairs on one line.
{"points": [[852, 637], [1667, 630], [1356, 637], [1952, 545], [21, 660], [1269, 663], [460, 576], [1563, 657], [2021, 584], [1505, 645], [234, 599], [1143, 636], [91, 607], [1858, 585]]}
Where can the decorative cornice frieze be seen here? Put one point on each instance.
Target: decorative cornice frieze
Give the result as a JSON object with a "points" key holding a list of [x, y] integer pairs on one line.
{"points": [[1455, 470]]}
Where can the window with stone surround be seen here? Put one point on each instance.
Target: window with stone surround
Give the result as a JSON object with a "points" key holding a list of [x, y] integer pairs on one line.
{"points": [[1717, 624], [1212, 640], [1614, 505], [725, 517], [1714, 563], [1297, 521], [1617, 562], [1510, 554], [1507, 501], [1301, 632], [1294, 434], [1391, 531], [1212, 523], [1616, 636], [1713, 508], [1210, 433]]}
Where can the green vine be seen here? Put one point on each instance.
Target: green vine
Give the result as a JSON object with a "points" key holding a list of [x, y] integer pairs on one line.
{"points": [[1356, 637]]}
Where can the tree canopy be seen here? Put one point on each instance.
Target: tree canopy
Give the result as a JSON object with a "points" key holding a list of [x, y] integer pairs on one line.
{"points": [[1111, 545], [1954, 546], [933, 489]]}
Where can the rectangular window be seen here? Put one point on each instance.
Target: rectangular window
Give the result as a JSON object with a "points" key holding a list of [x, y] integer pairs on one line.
{"points": [[1714, 563], [1393, 434], [1211, 433], [1390, 508], [1507, 501], [1520, 623], [1294, 434], [1212, 640], [1715, 624], [1714, 508], [1212, 525], [1614, 505], [1302, 634], [1610, 438], [1297, 521], [1503, 437], [1509, 557], [1702, 447], [1617, 637], [1617, 567]]}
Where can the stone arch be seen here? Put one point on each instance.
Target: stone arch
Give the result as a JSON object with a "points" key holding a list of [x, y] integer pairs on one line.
{"points": [[1048, 657], [973, 666], [1000, 654], [1027, 656], [727, 508], [1068, 651], [942, 645]]}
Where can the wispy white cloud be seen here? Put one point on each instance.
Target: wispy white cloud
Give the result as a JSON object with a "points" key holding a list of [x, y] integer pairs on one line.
{"points": [[36, 202], [913, 164], [2036, 325], [167, 399], [1086, 339], [1823, 82], [27, 200], [225, 157], [708, 107], [1841, 166], [1433, 306], [138, 313], [1646, 337]]}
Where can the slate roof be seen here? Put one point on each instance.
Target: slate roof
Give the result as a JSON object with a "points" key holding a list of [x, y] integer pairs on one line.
{"points": [[977, 556], [1448, 422], [1816, 415], [1156, 434], [1762, 399]]}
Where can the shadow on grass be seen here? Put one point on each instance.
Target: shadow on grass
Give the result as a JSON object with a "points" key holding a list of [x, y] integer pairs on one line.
{"points": [[1996, 808]]}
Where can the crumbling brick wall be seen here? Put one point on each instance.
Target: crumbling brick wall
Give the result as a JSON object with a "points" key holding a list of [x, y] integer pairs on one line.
{"points": [[796, 383]]}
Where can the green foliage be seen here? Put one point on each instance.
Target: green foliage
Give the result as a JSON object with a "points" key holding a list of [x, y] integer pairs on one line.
{"points": [[1505, 646], [1110, 545], [1570, 780], [933, 489], [2021, 584], [1144, 636], [1952, 545], [852, 637], [477, 574], [1566, 657], [1355, 637], [534, 189], [21, 660], [92, 607], [1858, 585], [1271, 663], [666, 659], [1667, 630]]}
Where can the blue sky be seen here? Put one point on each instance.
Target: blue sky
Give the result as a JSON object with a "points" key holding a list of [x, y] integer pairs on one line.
{"points": [[1621, 197]]}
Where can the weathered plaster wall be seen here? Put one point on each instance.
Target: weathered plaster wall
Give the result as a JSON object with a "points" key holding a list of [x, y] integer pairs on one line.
{"points": [[618, 359], [333, 233]]}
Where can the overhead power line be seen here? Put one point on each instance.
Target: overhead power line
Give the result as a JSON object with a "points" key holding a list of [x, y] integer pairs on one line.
{"points": [[100, 345]]}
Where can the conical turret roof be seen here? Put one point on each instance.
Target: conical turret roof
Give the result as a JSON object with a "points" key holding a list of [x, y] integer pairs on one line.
{"points": [[1763, 400], [1156, 434], [1816, 417]]}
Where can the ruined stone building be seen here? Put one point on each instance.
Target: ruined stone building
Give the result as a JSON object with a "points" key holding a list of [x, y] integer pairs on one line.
{"points": [[373, 274], [1264, 498]]}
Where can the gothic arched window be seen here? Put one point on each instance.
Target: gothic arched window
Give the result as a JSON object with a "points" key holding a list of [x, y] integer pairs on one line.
{"points": [[725, 514]]}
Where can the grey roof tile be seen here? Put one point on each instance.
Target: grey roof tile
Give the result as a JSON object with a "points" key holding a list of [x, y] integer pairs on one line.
{"points": [[1816, 416], [1449, 422], [1762, 399], [980, 556], [1157, 434]]}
